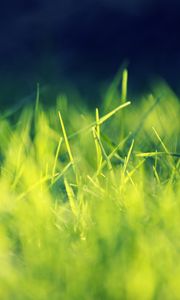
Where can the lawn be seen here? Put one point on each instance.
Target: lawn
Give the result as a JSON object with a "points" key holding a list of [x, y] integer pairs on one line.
{"points": [[89, 199]]}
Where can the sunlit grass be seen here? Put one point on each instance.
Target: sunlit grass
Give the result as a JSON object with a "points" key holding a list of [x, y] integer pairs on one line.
{"points": [[89, 201]]}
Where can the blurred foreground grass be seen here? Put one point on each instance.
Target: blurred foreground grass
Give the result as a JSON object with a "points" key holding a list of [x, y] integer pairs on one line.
{"points": [[89, 201]]}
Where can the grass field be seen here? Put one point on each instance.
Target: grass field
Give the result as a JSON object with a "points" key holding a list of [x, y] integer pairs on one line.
{"points": [[89, 200]]}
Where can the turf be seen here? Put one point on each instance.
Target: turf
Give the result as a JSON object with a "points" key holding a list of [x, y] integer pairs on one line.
{"points": [[89, 200]]}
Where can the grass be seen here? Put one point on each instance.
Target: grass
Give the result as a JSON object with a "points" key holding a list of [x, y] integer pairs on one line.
{"points": [[89, 201]]}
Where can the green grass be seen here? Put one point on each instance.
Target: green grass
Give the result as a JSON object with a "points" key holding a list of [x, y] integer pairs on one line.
{"points": [[89, 200]]}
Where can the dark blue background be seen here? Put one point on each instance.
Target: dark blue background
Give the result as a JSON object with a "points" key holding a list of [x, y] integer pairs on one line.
{"points": [[83, 43]]}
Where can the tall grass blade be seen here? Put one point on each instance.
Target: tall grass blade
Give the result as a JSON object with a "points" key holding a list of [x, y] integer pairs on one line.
{"points": [[114, 111], [124, 85]]}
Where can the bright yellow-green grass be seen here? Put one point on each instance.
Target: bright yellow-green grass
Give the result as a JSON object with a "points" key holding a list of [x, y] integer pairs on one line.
{"points": [[89, 200]]}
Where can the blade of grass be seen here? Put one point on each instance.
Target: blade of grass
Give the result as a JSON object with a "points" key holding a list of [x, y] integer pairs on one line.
{"points": [[59, 175], [124, 170], [131, 173], [71, 197], [160, 140], [35, 185], [66, 139], [95, 184], [56, 158], [113, 90], [98, 149], [166, 150], [104, 154], [101, 120], [128, 157], [68, 147], [149, 154], [152, 154], [113, 153], [124, 85], [114, 111]]}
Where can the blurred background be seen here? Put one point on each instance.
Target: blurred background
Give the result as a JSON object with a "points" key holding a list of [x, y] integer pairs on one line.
{"points": [[80, 45]]}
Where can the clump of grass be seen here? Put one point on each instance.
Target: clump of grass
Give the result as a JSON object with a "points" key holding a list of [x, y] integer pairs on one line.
{"points": [[87, 212]]}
